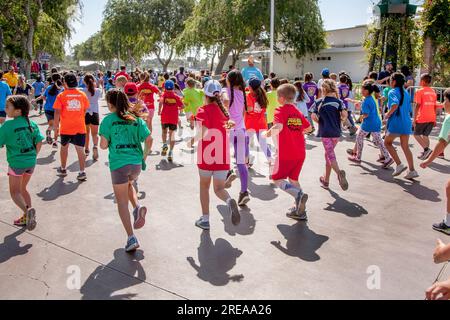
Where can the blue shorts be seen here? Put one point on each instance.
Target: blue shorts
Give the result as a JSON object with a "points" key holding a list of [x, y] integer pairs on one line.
{"points": [[50, 115]]}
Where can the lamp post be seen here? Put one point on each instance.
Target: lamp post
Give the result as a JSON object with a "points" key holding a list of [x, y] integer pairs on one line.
{"points": [[272, 32]]}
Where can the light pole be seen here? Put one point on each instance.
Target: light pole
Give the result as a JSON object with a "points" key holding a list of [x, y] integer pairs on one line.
{"points": [[272, 32]]}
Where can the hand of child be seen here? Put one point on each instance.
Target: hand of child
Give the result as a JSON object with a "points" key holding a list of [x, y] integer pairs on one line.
{"points": [[230, 125], [437, 255], [425, 164], [439, 291]]}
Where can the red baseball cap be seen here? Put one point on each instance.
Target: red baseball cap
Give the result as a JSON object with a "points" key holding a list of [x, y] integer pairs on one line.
{"points": [[130, 89]]}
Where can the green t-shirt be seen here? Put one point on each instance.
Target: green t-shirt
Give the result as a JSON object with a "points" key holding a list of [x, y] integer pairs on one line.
{"points": [[20, 142], [125, 140], [445, 131], [272, 96], [193, 99], [386, 95]]}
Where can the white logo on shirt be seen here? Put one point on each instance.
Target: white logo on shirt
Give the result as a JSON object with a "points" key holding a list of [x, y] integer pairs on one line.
{"points": [[74, 105]]}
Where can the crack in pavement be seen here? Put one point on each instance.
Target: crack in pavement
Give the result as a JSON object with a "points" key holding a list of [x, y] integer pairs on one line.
{"points": [[34, 279], [92, 260]]}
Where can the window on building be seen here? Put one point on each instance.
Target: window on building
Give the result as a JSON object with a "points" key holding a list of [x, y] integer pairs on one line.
{"points": [[323, 58]]}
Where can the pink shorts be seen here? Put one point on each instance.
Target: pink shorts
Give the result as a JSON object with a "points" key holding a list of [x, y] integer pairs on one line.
{"points": [[14, 172]]}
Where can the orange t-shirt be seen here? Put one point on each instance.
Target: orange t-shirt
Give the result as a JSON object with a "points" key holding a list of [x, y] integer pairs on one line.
{"points": [[426, 98], [73, 105]]}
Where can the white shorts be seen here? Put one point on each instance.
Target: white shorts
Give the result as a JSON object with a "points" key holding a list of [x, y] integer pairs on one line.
{"points": [[219, 175]]}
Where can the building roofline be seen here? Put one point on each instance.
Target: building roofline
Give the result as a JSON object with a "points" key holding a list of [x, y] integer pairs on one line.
{"points": [[355, 27]]}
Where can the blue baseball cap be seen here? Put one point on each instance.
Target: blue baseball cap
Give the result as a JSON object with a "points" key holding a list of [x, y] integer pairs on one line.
{"points": [[326, 72], [169, 85], [254, 83]]}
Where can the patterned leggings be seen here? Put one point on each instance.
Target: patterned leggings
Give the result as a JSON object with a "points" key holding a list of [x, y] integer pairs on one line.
{"points": [[377, 140], [330, 144]]}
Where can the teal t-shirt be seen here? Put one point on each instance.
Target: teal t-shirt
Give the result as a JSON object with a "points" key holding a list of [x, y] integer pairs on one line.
{"points": [[125, 140], [445, 131], [20, 142]]}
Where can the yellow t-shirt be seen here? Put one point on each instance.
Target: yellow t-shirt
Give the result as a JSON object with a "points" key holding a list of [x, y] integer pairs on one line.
{"points": [[272, 96], [11, 79]]}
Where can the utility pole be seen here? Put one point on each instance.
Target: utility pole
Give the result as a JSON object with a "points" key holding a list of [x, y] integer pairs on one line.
{"points": [[272, 34]]}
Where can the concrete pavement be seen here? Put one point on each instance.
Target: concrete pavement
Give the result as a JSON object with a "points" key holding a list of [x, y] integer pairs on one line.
{"points": [[380, 225]]}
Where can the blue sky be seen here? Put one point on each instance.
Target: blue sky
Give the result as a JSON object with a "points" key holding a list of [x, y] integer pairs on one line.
{"points": [[335, 13]]}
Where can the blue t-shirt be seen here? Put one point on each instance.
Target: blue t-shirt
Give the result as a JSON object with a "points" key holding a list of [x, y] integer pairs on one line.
{"points": [[252, 72], [329, 111], [38, 88], [373, 122], [49, 99], [5, 91], [400, 122]]}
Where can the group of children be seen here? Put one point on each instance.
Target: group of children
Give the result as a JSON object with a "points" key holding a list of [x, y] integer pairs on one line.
{"points": [[224, 112]]}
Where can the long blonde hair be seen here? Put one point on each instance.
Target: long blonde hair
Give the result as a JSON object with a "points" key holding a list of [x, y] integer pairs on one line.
{"points": [[329, 87]]}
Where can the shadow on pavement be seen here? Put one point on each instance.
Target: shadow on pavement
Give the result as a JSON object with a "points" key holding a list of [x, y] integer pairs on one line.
{"points": [[215, 261], [245, 228], [105, 280], [165, 165], [341, 205], [47, 160], [57, 189], [11, 248], [75, 167], [301, 242], [440, 168], [264, 192]]}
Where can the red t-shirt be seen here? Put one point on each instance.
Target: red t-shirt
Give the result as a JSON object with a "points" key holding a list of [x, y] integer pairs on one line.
{"points": [[147, 93], [291, 140], [255, 117], [122, 73], [213, 150], [171, 103]]}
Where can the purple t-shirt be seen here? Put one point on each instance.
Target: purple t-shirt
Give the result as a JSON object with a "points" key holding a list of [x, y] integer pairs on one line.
{"points": [[181, 78], [312, 91], [344, 93], [236, 107]]}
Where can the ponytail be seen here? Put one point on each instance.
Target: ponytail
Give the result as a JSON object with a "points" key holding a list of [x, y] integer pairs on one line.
{"points": [[217, 99], [90, 82], [120, 101], [56, 85]]}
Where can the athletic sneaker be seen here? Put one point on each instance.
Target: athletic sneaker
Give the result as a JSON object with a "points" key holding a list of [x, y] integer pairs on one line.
{"points": [[292, 214], [354, 159], [82, 176], [244, 198], [49, 139], [399, 170], [350, 152], [387, 164], [86, 153], [139, 217], [202, 224], [132, 244], [31, 219], [441, 156], [324, 184], [425, 155], [353, 131], [412, 175], [235, 214], [381, 159], [95, 154], [230, 178], [170, 157], [62, 172], [442, 227], [165, 148], [21, 222], [343, 180], [300, 203]]}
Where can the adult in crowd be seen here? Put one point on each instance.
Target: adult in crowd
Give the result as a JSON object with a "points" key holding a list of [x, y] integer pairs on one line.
{"points": [[123, 72], [251, 71], [5, 92], [385, 76], [12, 78]]}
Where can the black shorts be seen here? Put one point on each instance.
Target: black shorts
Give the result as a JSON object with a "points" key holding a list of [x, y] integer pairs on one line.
{"points": [[78, 140], [50, 115], [171, 127], [40, 103], [423, 129], [2, 114], [93, 119]]}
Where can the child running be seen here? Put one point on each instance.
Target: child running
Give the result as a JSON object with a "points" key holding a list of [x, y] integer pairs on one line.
{"points": [[23, 142], [192, 99], [272, 97], [213, 153], [399, 125], [344, 94], [39, 87], [312, 91], [123, 132], [444, 140], [289, 128], [328, 113], [235, 101], [169, 111], [92, 115], [425, 115], [371, 124], [70, 117], [147, 92], [302, 99], [5, 92]]}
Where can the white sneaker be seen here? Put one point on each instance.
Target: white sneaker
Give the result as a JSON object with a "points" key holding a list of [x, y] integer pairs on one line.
{"points": [[412, 175], [399, 170]]}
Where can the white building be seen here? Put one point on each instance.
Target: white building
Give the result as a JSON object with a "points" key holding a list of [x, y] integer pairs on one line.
{"points": [[345, 52]]}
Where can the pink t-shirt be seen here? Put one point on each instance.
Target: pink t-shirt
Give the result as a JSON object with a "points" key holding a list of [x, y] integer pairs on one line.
{"points": [[237, 107]]}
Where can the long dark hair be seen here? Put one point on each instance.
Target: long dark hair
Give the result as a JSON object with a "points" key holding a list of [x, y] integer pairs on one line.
{"points": [[400, 81], [56, 84], [90, 82], [261, 97], [217, 99], [370, 86], [21, 103], [301, 91], [236, 79], [120, 101]]}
